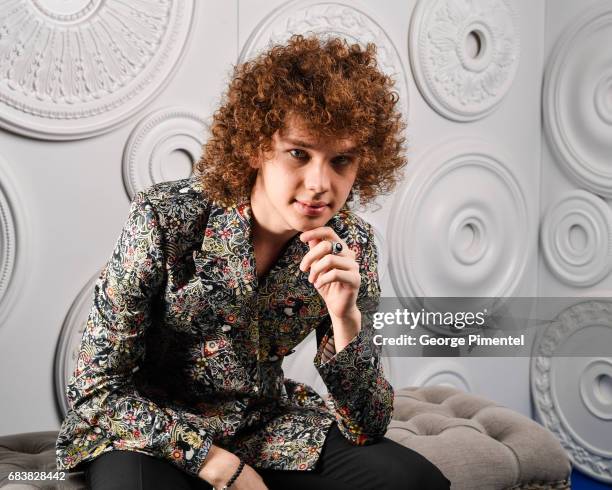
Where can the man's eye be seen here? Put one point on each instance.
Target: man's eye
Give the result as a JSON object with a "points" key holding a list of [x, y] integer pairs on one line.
{"points": [[299, 154], [342, 161]]}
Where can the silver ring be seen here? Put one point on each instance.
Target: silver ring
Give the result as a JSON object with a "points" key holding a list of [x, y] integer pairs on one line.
{"points": [[336, 247]]}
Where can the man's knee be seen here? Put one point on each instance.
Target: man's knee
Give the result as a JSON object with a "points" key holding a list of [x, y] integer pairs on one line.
{"points": [[433, 478], [414, 471]]}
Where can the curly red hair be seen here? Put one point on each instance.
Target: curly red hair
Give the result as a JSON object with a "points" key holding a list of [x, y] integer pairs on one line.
{"points": [[336, 88]]}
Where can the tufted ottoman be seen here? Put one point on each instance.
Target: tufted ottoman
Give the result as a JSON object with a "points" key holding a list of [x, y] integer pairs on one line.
{"points": [[474, 442], [33, 451]]}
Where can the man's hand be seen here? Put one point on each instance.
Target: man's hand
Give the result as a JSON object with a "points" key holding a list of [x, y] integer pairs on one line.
{"points": [[335, 276], [220, 465], [337, 279]]}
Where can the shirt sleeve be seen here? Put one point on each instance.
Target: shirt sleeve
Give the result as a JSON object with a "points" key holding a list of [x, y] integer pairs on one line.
{"points": [[101, 392], [359, 395]]}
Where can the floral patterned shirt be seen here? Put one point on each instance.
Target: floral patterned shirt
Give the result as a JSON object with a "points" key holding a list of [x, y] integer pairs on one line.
{"points": [[183, 345]]}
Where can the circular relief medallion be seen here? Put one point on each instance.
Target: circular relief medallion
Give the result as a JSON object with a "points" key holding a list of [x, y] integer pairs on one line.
{"points": [[576, 238], [67, 350], [464, 55], [13, 241], [332, 19], [77, 68], [162, 147], [460, 227], [572, 390], [578, 100]]}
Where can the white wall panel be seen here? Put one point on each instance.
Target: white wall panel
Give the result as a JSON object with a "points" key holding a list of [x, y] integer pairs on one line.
{"points": [[576, 151], [571, 387], [510, 128], [76, 202]]}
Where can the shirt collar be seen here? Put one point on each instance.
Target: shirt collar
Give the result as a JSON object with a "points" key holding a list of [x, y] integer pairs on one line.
{"points": [[228, 253]]}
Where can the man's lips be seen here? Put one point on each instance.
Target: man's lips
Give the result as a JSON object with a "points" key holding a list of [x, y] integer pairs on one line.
{"points": [[314, 209], [312, 204]]}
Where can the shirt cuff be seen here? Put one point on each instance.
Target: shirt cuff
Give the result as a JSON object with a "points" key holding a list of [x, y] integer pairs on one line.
{"points": [[357, 354]]}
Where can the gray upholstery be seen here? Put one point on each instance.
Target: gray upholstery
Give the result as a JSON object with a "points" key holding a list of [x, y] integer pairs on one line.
{"points": [[33, 451], [474, 442]]}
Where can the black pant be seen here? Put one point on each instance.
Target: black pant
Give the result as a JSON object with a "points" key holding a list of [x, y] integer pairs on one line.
{"points": [[341, 466]]}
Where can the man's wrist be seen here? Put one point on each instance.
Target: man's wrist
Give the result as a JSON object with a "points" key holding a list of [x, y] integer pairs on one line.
{"points": [[234, 477], [345, 329], [219, 466]]}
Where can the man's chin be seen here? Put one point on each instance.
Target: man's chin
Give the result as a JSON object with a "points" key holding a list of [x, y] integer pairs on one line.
{"points": [[303, 226], [306, 223]]}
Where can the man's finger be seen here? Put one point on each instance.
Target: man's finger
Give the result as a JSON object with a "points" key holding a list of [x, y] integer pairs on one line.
{"points": [[313, 243], [321, 233]]}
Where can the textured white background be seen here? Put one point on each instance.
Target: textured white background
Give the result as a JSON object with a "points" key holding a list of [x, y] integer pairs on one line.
{"points": [[71, 197]]}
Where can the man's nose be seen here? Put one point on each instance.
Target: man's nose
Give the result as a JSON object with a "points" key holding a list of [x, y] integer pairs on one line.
{"points": [[316, 178]]}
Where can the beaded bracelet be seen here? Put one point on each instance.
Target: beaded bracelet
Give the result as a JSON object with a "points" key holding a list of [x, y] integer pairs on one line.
{"points": [[234, 476]]}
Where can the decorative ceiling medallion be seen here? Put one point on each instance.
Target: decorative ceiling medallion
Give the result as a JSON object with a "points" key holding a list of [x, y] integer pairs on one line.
{"points": [[464, 55], [69, 342], [163, 147], [330, 19], [576, 237], [66, 11], [471, 219], [578, 100], [13, 241], [77, 68], [572, 391]]}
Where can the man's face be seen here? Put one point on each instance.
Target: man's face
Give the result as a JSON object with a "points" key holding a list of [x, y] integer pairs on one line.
{"points": [[304, 180]]}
